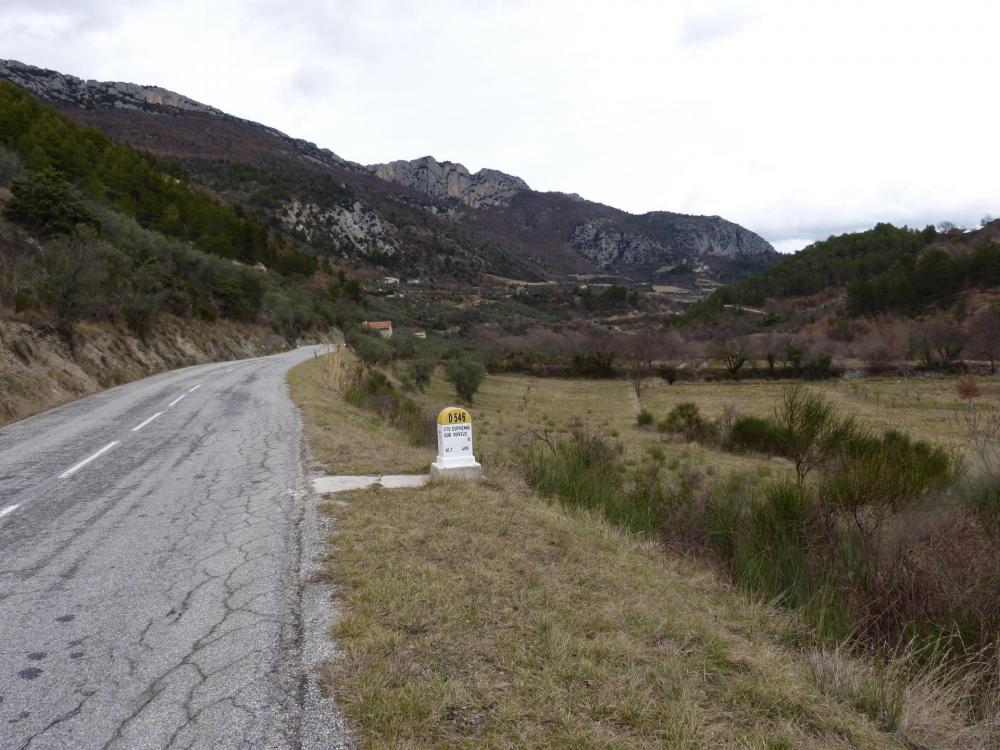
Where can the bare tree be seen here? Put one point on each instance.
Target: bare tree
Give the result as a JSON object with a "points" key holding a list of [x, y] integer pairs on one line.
{"points": [[642, 352], [731, 351], [638, 350], [939, 342], [671, 350], [984, 338]]}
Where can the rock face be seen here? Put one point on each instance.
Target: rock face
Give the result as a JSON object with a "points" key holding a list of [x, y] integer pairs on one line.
{"points": [[72, 90], [487, 188], [663, 239], [351, 228], [660, 243]]}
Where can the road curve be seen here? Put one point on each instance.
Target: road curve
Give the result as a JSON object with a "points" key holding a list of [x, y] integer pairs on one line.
{"points": [[149, 565]]}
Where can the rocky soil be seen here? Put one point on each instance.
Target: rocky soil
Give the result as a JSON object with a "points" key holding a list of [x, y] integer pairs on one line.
{"points": [[39, 370]]}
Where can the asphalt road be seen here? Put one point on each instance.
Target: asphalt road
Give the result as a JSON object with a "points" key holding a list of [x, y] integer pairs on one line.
{"points": [[149, 565]]}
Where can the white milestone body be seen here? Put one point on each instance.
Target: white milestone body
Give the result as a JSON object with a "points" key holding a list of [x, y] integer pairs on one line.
{"points": [[455, 458]]}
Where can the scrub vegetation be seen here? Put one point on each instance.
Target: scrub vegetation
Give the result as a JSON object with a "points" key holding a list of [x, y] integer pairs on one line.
{"points": [[95, 231]]}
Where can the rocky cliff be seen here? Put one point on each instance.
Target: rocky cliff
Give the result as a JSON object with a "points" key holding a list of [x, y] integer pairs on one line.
{"points": [[487, 188], [60, 87], [651, 244]]}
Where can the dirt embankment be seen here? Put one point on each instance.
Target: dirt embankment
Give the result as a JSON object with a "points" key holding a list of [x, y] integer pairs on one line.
{"points": [[39, 369]]}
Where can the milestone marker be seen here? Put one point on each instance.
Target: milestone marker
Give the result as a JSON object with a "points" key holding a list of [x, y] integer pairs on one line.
{"points": [[455, 459]]}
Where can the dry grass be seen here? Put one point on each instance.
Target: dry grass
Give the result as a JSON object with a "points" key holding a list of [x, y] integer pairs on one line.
{"points": [[343, 438], [925, 705], [479, 616], [508, 404], [921, 406]]}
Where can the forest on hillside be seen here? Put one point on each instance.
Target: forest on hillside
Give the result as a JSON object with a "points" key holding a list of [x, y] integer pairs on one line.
{"points": [[885, 268], [92, 229]]}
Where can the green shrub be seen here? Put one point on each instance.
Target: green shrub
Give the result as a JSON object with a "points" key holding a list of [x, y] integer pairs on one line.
{"points": [[823, 363], [466, 374], [808, 431], [371, 349], [686, 420], [772, 548], [45, 202], [582, 469], [421, 370], [755, 434], [871, 477], [585, 470], [372, 390], [767, 538], [644, 418]]}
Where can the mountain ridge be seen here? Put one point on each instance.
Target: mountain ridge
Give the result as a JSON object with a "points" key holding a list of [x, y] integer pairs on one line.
{"points": [[435, 217]]}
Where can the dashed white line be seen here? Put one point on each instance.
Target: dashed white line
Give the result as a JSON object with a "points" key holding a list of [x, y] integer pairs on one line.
{"points": [[230, 369], [73, 469], [195, 388], [177, 400], [9, 509], [146, 422]]}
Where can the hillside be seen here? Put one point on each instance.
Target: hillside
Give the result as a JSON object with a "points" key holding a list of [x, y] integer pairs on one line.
{"points": [[113, 266], [427, 218], [884, 269]]}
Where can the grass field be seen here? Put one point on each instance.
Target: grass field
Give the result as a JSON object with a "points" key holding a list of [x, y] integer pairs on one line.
{"points": [[509, 406], [483, 616]]}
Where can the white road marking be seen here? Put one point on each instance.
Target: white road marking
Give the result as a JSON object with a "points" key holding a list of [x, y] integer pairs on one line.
{"points": [[177, 400], [9, 509], [146, 422], [195, 388], [230, 369], [73, 469]]}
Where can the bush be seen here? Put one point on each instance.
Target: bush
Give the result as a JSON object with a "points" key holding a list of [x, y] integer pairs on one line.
{"points": [[372, 349], [807, 430], [421, 371], [44, 201], [771, 552], [466, 374], [872, 477], [755, 434], [585, 470], [372, 390], [822, 364], [686, 420], [644, 418]]}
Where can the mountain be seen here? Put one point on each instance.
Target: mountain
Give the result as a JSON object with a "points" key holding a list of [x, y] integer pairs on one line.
{"points": [[423, 217], [487, 188]]}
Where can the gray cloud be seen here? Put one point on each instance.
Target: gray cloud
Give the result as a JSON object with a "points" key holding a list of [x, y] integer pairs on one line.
{"points": [[752, 111]]}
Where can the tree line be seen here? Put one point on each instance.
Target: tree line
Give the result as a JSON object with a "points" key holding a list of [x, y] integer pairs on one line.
{"points": [[834, 262]]}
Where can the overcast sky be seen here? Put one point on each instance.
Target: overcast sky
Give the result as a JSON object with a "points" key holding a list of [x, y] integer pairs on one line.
{"points": [[795, 119]]}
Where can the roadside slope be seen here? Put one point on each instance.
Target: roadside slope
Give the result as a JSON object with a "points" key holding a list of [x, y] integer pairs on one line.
{"points": [[38, 369], [483, 616]]}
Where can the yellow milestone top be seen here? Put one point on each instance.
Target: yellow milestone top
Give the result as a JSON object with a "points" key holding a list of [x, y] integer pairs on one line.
{"points": [[454, 415]]}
